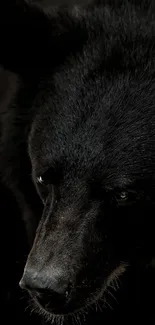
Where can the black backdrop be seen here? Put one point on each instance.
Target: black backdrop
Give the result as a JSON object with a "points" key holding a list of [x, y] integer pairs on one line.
{"points": [[14, 251]]}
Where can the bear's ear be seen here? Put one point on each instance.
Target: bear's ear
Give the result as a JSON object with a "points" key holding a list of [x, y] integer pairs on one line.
{"points": [[34, 39]]}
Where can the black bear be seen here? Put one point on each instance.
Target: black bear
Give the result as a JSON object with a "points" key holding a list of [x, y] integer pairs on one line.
{"points": [[78, 153]]}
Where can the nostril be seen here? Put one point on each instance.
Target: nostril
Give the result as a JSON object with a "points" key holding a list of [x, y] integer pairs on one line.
{"points": [[27, 282], [24, 284], [52, 300], [59, 295]]}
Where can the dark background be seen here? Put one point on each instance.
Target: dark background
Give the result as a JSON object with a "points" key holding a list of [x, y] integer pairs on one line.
{"points": [[14, 308]]}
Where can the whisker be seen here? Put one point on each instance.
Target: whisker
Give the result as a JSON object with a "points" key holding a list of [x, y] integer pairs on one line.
{"points": [[110, 293], [97, 303]]}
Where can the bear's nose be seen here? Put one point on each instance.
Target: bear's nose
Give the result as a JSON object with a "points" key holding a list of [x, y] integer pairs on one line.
{"points": [[50, 288]]}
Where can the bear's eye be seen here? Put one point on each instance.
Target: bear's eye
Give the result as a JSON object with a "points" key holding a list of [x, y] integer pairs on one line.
{"points": [[129, 197], [122, 196], [40, 180], [43, 188], [43, 180]]}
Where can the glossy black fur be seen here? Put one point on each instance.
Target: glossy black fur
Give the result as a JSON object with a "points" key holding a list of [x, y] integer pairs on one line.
{"points": [[84, 121]]}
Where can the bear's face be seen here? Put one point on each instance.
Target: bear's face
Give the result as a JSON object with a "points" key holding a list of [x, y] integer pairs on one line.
{"points": [[84, 147], [91, 145]]}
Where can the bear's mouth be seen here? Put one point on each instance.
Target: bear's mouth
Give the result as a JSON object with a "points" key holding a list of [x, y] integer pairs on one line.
{"points": [[71, 310]]}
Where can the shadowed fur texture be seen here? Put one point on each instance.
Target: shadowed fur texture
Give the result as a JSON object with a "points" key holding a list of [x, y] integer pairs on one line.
{"points": [[78, 147]]}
